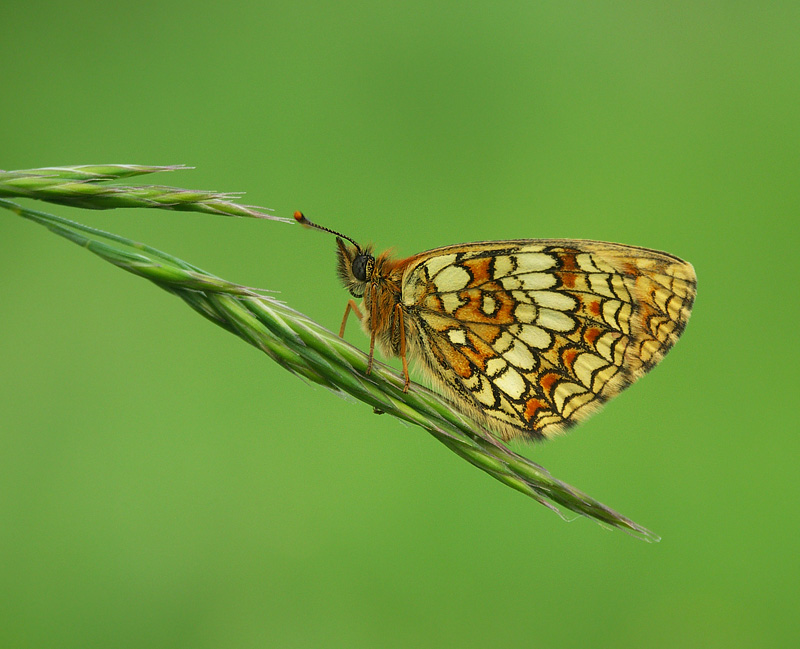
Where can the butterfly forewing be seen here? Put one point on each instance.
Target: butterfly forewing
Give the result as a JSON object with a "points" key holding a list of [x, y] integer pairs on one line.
{"points": [[532, 336]]}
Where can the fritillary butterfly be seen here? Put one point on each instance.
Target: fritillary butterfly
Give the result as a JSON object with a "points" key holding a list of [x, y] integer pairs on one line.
{"points": [[527, 337]]}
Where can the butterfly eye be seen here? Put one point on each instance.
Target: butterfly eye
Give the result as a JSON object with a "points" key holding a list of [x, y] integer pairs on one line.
{"points": [[362, 267]]}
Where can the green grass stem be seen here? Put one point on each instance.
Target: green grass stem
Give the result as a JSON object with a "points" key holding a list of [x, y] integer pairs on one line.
{"points": [[288, 337]]}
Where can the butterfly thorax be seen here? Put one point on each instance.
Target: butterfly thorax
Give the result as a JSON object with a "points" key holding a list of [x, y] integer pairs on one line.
{"points": [[381, 314]]}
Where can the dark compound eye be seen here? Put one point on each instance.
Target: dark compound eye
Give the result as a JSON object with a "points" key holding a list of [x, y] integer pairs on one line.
{"points": [[362, 267]]}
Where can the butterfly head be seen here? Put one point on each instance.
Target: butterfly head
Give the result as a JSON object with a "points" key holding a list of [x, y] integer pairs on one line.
{"points": [[356, 264]]}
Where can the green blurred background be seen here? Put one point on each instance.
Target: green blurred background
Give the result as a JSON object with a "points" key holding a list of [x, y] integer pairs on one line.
{"points": [[163, 484]]}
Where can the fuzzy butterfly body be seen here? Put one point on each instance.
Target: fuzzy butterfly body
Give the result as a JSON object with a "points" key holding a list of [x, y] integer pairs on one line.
{"points": [[528, 337]]}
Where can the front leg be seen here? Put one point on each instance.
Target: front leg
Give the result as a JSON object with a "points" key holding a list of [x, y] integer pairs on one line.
{"points": [[351, 306]]}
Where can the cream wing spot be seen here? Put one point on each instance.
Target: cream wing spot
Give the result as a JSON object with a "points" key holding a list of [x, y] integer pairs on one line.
{"points": [[495, 365], [511, 382], [505, 341], [535, 336], [554, 300], [506, 406], [536, 281], [457, 336], [610, 309], [624, 318], [576, 402], [435, 264], [563, 391], [525, 312], [472, 382], [520, 356], [605, 345], [603, 377], [586, 263], [488, 304], [451, 301], [503, 265], [599, 284], [534, 261], [621, 291], [484, 392], [585, 366], [648, 349], [451, 278], [554, 320]]}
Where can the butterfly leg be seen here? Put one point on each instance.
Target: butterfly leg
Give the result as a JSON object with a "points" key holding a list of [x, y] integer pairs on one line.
{"points": [[351, 306], [398, 316], [373, 308]]}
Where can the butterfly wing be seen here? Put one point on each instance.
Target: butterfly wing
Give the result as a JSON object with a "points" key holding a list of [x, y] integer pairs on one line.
{"points": [[533, 336]]}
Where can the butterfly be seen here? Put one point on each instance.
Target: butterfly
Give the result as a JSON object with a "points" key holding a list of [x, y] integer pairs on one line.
{"points": [[527, 337]]}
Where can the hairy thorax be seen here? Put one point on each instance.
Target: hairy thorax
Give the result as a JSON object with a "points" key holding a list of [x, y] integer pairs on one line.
{"points": [[382, 305]]}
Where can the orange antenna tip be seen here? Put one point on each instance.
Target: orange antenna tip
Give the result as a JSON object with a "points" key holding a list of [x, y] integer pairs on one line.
{"points": [[302, 220]]}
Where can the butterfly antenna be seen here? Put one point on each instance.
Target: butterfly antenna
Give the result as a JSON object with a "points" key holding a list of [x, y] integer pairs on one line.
{"points": [[302, 220]]}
